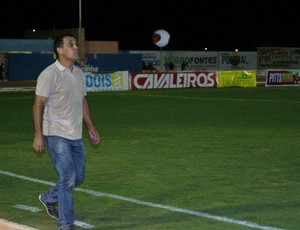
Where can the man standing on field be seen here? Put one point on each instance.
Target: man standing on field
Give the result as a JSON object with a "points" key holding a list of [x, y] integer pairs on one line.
{"points": [[59, 109]]}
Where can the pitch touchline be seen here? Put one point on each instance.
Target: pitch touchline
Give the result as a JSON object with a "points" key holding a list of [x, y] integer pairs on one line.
{"points": [[174, 209], [216, 99]]}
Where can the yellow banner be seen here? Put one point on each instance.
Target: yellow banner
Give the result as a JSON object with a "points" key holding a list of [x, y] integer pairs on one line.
{"points": [[240, 78]]}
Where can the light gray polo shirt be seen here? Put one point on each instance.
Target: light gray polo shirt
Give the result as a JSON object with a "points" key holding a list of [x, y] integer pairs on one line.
{"points": [[65, 91]]}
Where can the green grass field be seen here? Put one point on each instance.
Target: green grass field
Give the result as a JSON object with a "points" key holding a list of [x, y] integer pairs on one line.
{"points": [[207, 158]]}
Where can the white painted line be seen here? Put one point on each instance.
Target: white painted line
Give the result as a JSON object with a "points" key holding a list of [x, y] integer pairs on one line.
{"points": [[174, 209], [17, 89], [217, 99], [28, 208], [35, 209], [83, 225]]}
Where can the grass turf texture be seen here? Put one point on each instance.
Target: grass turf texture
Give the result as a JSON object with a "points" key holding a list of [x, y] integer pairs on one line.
{"points": [[230, 152]]}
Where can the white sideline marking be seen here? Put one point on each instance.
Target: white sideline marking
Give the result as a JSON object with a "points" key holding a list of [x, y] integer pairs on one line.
{"points": [[28, 208], [17, 89], [35, 209], [221, 99], [82, 224], [185, 211]]}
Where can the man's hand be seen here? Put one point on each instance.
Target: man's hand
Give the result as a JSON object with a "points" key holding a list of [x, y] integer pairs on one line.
{"points": [[38, 145], [94, 136]]}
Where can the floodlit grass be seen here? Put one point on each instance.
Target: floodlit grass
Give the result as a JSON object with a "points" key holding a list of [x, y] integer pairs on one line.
{"points": [[230, 153]]}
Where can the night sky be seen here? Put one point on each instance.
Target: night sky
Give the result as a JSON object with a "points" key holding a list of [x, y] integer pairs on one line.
{"points": [[192, 25]]}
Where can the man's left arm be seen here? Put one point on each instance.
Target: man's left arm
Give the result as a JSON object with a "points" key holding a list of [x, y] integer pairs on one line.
{"points": [[93, 133]]}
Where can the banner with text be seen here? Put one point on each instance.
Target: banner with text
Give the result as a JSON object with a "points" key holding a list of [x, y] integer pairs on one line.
{"points": [[237, 60], [274, 57], [246, 78], [115, 81], [196, 60], [280, 77], [173, 80]]}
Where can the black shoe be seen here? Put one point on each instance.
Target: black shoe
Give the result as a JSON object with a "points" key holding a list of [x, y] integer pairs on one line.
{"points": [[70, 227], [50, 208]]}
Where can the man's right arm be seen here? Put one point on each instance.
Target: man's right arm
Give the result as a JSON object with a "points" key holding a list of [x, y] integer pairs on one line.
{"points": [[37, 114]]}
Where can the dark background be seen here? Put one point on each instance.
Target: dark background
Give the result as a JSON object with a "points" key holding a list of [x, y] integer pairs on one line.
{"points": [[192, 25]]}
